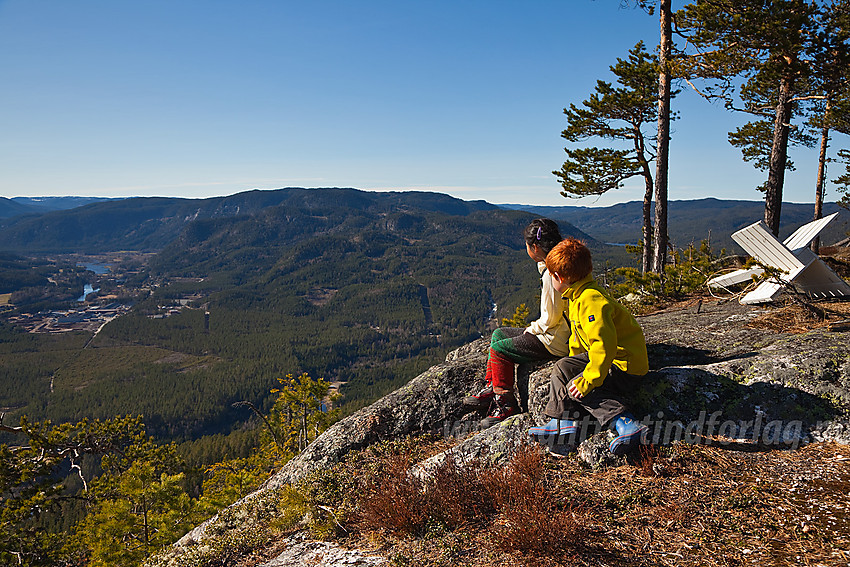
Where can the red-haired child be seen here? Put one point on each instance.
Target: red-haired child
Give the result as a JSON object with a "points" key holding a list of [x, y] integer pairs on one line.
{"points": [[607, 357]]}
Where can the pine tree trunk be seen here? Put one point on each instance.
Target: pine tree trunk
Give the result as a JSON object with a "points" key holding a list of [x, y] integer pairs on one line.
{"points": [[778, 158], [640, 151], [824, 140], [145, 525], [662, 157], [646, 259]]}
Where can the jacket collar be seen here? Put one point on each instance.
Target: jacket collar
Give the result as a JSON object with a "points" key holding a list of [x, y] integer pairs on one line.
{"points": [[576, 288]]}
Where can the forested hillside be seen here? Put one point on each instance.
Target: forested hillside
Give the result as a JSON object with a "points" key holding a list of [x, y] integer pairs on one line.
{"points": [[363, 289], [150, 223]]}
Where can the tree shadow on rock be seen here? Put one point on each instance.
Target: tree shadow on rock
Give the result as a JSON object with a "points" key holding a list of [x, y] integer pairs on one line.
{"points": [[694, 405], [671, 355]]}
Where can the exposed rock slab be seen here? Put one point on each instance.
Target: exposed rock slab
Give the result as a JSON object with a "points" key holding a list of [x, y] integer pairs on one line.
{"points": [[428, 403], [301, 550], [712, 376], [714, 380]]}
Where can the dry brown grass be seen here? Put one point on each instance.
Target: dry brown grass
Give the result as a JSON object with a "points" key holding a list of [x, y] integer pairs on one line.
{"points": [[393, 501], [791, 317], [514, 503], [531, 517], [684, 505], [459, 495]]}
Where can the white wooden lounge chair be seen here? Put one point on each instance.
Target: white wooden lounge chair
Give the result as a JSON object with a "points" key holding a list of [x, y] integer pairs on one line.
{"points": [[804, 270]]}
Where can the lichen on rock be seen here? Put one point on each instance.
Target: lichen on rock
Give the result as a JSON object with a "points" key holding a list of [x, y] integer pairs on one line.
{"points": [[714, 380]]}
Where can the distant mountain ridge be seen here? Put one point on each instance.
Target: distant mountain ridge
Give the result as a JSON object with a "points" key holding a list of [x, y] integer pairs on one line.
{"points": [[56, 225], [12, 208], [36, 205], [689, 221], [151, 223], [61, 203]]}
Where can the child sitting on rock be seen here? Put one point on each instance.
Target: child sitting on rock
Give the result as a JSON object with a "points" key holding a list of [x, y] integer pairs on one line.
{"points": [[544, 339], [607, 357]]}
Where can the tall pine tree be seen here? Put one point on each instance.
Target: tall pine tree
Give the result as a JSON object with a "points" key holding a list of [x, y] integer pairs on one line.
{"points": [[831, 81], [626, 113], [753, 54]]}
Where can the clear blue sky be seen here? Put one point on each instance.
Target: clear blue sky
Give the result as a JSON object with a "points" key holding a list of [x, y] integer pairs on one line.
{"points": [[199, 98]]}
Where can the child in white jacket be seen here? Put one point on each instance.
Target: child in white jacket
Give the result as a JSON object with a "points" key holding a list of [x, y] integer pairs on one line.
{"points": [[544, 339]]}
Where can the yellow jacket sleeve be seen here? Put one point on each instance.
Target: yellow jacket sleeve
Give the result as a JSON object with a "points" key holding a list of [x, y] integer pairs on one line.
{"points": [[597, 335], [606, 331]]}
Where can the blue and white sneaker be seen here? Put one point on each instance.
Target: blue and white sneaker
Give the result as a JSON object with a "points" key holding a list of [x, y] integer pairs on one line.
{"points": [[630, 434], [555, 427]]}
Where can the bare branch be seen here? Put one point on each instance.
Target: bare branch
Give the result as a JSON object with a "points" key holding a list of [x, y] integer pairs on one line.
{"points": [[6, 427], [810, 97], [706, 96], [254, 409], [75, 466]]}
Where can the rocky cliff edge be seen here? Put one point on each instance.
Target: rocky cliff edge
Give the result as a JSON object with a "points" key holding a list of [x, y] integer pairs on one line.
{"points": [[721, 375]]}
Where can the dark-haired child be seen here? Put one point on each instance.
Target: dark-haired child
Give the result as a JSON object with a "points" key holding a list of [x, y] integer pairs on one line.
{"points": [[607, 357], [544, 339]]}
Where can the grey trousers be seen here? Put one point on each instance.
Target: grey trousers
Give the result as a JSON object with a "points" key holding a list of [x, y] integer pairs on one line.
{"points": [[604, 402]]}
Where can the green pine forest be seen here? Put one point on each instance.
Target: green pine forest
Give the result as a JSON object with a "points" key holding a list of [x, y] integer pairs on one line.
{"points": [[166, 409], [366, 299]]}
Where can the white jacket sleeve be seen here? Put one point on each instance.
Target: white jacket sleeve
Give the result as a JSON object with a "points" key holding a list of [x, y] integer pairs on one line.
{"points": [[551, 306]]}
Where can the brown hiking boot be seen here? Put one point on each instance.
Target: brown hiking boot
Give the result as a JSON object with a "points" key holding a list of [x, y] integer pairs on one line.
{"points": [[481, 400], [504, 406]]}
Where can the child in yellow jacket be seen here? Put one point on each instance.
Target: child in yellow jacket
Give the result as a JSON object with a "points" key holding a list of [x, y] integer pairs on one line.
{"points": [[607, 357]]}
